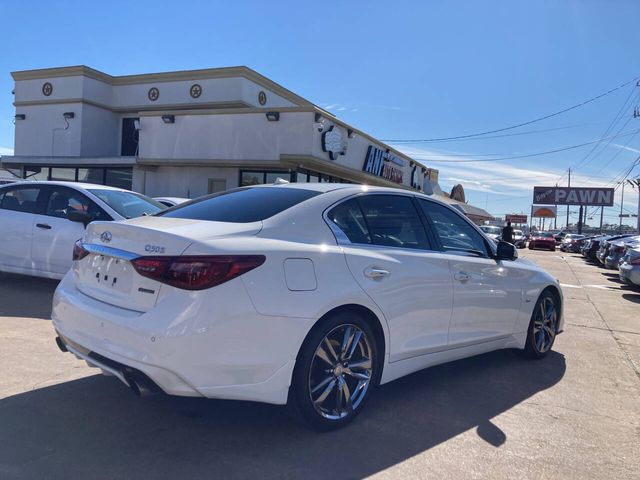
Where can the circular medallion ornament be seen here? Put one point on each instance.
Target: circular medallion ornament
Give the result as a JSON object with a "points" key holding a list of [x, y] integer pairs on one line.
{"points": [[195, 91], [262, 97], [153, 94], [47, 89]]}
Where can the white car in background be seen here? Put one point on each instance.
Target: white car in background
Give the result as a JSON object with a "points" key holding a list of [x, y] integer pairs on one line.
{"points": [[308, 293], [171, 201], [40, 221], [492, 232]]}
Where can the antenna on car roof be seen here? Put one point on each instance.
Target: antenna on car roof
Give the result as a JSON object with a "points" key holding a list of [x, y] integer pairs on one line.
{"points": [[280, 181]]}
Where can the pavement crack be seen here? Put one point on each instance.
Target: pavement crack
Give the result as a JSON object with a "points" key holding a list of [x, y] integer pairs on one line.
{"points": [[600, 328]]}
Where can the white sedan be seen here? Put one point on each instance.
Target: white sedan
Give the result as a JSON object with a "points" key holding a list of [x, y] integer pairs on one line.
{"points": [[308, 293], [42, 220]]}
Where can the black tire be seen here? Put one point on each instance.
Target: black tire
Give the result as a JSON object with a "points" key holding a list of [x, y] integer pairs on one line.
{"points": [[540, 340], [310, 369]]}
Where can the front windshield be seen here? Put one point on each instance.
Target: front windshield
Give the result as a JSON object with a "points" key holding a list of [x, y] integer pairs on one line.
{"points": [[128, 204], [545, 234], [518, 233]]}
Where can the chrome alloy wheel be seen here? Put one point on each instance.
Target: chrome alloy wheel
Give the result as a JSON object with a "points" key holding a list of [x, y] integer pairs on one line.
{"points": [[545, 324], [341, 371]]}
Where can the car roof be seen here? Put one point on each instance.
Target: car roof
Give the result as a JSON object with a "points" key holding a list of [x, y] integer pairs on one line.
{"points": [[81, 185]]}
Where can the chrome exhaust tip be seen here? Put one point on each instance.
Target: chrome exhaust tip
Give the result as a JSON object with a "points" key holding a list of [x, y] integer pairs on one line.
{"points": [[140, 388], [61, 345]]}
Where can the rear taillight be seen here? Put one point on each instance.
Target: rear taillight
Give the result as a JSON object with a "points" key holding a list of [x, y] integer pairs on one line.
{"points": [[79, 252], [196, 272]]}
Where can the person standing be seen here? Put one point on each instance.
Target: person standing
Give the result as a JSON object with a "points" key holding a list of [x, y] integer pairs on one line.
{"points": [[507, 233]]}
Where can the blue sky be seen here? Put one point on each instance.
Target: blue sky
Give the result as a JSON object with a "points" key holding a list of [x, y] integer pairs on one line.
{"points": [[397, 70]]}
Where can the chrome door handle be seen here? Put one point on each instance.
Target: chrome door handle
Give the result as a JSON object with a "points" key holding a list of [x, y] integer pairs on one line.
{"points": [[374, 272], [43, 226], [462, 276]]}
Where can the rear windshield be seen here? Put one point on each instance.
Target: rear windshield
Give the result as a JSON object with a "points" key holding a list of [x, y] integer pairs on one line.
{"points": [[243, 205], [127, 204]]}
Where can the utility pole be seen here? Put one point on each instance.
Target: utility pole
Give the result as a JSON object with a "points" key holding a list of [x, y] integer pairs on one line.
{"points": [[555, 219], [621, 205], [602, 217], [568, 185], [580, 220]]}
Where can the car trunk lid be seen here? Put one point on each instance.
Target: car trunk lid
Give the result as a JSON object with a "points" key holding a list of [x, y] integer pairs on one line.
{"points": [[107, 273]]}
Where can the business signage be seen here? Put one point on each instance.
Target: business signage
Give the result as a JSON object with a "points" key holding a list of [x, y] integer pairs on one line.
{"points": [[596, 197], [333, 142], [515, 218], [538, 211], [383, 164]]}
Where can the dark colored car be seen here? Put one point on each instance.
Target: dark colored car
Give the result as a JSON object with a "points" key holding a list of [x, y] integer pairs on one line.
{"points": [[591, 246], [570, 242], [543, 240], [618, 249]]}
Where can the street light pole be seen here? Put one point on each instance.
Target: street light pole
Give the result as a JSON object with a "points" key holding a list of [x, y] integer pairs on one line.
{"points": [[621, 205], [568, 185]]}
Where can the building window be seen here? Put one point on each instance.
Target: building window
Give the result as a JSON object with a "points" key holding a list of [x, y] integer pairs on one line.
{"points": [[260, 177], [130, 137], [114, 177]]}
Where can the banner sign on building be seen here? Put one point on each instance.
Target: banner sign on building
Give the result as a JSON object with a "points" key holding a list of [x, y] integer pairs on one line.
{"points": [[515, 218], [595, 197], [383, 164], [543, 211]]}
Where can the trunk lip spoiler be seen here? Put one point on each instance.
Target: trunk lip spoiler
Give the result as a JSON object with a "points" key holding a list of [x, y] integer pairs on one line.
{"points": [[110, 251]]}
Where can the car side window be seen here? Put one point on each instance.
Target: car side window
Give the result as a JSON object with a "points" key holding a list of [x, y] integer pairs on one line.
{"points": [[21, 199], [62, 201], [349, 218], [455, 233]]}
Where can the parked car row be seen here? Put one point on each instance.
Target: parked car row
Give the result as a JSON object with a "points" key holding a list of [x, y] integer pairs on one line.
{"points": [[615, 252]]}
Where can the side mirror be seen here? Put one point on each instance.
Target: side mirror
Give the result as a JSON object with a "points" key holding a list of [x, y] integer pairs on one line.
{"points": [[506, 251], [80, 217]]}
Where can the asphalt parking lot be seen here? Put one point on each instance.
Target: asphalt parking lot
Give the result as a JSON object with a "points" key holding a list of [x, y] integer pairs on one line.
{"points": [[575, 414]]}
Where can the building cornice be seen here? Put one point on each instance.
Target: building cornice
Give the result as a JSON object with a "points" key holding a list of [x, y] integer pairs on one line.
{"points": [[180, 75]]}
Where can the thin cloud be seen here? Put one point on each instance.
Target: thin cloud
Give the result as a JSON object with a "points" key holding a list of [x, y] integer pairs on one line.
{"points": [[6, 151]]}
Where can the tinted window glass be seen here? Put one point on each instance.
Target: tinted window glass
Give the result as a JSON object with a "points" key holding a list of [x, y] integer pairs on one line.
{"points": [[242, 205], [455, 233], [128, 204], [350, 219], [21, 199], [62, 201], [393, 221]]}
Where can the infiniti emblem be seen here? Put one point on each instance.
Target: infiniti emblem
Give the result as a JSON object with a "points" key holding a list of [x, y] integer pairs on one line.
{"points": [[105, 237]]}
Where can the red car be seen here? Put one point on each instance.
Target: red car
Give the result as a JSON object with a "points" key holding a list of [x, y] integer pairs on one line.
{"points": [[544, 240]]}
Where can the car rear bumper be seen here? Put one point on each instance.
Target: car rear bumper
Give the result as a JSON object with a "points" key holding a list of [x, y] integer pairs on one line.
{"points": [[629, 273], [214, 345]]}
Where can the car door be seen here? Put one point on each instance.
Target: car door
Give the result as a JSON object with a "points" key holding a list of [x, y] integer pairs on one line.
{"points": [[389, 254], [18, 205], [54, 234], [487, 293]]}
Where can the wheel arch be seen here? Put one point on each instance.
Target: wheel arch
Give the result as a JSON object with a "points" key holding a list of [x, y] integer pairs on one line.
{"points": [[557, 295], [366, 314]]}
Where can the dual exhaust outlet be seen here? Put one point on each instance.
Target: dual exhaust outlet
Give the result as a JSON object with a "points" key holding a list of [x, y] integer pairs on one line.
{"points": [[138, 382]]}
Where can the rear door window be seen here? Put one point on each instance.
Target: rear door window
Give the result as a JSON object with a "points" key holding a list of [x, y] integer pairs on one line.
{"points": [[386, 220], [244, 205], [21, 199]]}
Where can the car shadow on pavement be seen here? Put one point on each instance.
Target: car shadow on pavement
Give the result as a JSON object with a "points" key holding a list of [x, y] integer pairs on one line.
{"points": [[632, 297], [94, 427], [25, 296]]}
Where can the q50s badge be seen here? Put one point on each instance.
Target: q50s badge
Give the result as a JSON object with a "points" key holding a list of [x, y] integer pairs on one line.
{"points": [[153, 249]]}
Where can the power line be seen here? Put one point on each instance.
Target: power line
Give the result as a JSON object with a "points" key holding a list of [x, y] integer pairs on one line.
{"points": [[537, 154], [458, 137]]}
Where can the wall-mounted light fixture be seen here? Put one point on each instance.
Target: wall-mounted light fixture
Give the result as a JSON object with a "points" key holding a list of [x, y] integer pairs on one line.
{"points": [[136, 124], [273, 116], [68, 115], [20, 116], [350, 133], [169, 118]]}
